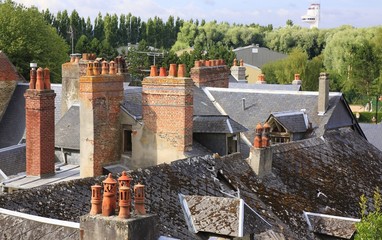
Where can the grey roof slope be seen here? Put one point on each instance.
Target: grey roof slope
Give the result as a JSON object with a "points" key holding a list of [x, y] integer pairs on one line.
{"points": [[216, 124], [57, 88], [12, 125], [133, 102], [260, 104], [276, 87], [293, 121], [335, 164], [67, 132], [257, 58], [373, 133]]}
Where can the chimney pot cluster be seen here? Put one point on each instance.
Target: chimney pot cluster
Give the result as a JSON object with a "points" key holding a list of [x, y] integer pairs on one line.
{"points": [[95, 68], [174, 71], [209, 63], [39, 79], [261, 79], [109, 201], [262, 136]]}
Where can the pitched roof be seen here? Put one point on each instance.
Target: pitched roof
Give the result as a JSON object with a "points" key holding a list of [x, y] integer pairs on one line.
{"points": [[12, 125], [67, 129], [373, 133], [276, 87], [257, 56], [259, 104], [293, 121], [8, 71], [216, 124], [334, 163]]}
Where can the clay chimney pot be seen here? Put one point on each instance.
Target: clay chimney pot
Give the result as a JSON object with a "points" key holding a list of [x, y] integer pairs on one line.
{"points": [[46, 78], [182, 70], [153, 71], [139, 199], [124, 202], [172, 71], [162, 72], [40, 79], [33, 75], [124, 180], [96, 200], [109, 202]]}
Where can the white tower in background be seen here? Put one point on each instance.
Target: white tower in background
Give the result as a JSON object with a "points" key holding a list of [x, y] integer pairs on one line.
{"points": [[312, 15]]}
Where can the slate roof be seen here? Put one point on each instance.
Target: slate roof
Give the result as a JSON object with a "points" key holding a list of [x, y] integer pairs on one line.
{"points": [[67, 130], [257, 56], [293, 121], [133, 102], [216, 124], [12, 125], [340, 227], [341, 164], [373, 133], [259, 104], [276, 87], [218, 215], [57, 88]]}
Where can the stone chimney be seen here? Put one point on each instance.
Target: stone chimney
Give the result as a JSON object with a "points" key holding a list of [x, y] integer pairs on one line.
{"points": [[297, 80], [210, 73], [238, 72], [100, 97], [261, 79], [260, 157], [39, 113], [71, 73], [323, 93], [167, 104]]}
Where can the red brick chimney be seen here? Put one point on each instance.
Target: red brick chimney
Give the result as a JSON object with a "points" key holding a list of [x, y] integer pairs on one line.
{"points": [[167, 104], [39, 111], [100, 97], [213, 73]]}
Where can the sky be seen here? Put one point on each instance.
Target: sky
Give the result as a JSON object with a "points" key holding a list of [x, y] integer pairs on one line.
{"points": [[334, 13]]}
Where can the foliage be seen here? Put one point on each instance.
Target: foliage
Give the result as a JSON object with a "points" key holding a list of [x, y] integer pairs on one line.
{"points": [[282, 71], [370, 226], [26, 37]]}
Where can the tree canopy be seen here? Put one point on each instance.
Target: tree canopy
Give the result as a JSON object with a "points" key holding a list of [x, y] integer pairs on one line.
{"points": [[26, 37]]}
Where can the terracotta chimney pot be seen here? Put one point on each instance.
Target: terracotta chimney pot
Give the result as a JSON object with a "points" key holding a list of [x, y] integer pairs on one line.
{"points": [[46, 78], [139, 199], [198, 64], [208, 63], [33, 75], [258, 131], [109, 202], [95, 68], [297, 76], [72, 59], [153, 71], [77, 60], [105, 68], [112, 70], [89, 69], [172, 70], [235, 62], [182, 70], [124, 180], [40, 79], [96, 200], [241, 63], [124, 202], [85, 56], [162, 72]]}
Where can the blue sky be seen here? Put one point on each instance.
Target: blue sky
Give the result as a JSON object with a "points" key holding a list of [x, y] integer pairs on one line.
{"points": [[334, 13]]}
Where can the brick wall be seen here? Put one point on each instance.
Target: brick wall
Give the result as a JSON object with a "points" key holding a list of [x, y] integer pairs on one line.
{"points": [[100, 98], [210, 73], [167, 104], [39, 106]]}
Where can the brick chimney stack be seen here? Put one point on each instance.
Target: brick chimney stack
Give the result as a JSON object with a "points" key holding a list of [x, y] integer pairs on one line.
{"points": [[210, 73], [39, 113], [100, 97], [167, 104], [323, 93]]}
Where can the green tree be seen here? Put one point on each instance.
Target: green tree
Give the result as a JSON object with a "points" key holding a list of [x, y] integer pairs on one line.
{"points": [[26, 37], [83, 44], [370, 226]]}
